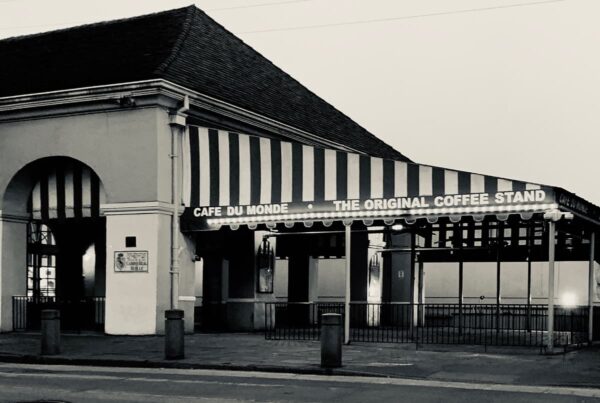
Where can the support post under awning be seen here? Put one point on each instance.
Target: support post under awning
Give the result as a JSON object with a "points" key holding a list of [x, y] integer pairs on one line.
{"points": [[591, 285], [551, 257], [348, 235]]}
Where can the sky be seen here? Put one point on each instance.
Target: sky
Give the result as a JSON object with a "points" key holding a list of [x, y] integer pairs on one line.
{"points": [[509, 88]]}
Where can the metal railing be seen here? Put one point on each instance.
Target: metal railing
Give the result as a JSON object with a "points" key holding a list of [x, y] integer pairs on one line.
{"points": [[75, 314], [485, 324], [297, 320], [596, 324]]}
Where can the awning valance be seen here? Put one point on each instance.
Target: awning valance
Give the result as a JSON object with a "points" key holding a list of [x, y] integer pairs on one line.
{"points": [[66, 191], [232, 179]]}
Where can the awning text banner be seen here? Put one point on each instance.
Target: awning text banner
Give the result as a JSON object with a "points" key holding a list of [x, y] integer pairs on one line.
{"points": [[231, 175]]}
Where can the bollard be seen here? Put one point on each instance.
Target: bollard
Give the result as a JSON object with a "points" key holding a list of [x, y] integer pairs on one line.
{"points": [[50, 331], [331, 340], [174, 334]]}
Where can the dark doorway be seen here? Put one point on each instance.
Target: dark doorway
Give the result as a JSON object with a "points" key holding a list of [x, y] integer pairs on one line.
{"points": [[66, 262]]}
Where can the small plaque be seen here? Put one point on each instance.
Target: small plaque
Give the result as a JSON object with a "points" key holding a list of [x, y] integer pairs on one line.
{"points": [[131, 261]]}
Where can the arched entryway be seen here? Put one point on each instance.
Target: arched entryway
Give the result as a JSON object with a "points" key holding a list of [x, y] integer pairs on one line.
{"points": [[64, 260]]}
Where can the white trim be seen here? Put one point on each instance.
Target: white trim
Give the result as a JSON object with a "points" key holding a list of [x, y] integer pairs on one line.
{"points": [[114, 92], [155, 207]]}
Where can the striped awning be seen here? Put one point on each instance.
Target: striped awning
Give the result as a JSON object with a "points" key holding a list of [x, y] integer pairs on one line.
{"points": [[233, 179], [70, 191]]}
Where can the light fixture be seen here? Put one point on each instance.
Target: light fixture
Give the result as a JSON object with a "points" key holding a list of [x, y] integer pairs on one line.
{"points": [[568, 300]]}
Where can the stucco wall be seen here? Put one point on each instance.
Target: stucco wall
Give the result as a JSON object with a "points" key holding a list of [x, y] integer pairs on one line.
{"points": [[129, 150], [121, 147]]}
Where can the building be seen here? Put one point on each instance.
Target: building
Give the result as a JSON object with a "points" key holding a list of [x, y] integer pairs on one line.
{"points": [[115, 136]]}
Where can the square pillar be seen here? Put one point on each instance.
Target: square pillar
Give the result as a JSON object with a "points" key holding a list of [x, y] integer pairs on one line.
{"points": [[359, 267], [187, 281], [136, 301], [298, 288], [13, 269], [214, 292], [397, 271], [245, 305]]}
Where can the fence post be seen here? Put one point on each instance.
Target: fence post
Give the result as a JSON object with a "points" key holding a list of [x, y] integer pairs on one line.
{"points": [[331, 340], [174, 340], [50, 332]]}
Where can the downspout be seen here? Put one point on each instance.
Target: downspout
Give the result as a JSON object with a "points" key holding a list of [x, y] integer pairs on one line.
{"points": [[177, 122]]}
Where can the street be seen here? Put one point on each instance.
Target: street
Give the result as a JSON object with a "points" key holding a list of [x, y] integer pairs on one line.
{"points": [[27, 383]]}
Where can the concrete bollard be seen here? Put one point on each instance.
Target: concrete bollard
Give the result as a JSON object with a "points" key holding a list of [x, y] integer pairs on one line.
{"points": [[50, 331], [331, 340], [174, 348]]}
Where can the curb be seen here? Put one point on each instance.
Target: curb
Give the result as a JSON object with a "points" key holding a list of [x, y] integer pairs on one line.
{"points": [[48, 360]]}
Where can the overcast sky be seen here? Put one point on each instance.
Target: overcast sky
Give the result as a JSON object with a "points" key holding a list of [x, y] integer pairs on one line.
{"points": [[507, 88]]}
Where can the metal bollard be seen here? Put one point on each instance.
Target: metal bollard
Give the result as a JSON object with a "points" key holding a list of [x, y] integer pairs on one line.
{"points": [[331, 340], [50, 331], [174, 348]]}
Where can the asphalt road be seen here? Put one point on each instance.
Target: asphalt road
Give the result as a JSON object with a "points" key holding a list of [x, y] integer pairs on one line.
{"points": [[27, 383]]}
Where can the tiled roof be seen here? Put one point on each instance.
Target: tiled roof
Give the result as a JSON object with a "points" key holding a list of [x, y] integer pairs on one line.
{"points": [[184, 46]]}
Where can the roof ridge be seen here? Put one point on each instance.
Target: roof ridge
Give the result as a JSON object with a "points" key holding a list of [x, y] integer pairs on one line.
{"points": [[93, 24], [176, 49]]}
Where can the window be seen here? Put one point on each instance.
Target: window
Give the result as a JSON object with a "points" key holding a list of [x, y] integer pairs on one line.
{"points": [[41, 261]]}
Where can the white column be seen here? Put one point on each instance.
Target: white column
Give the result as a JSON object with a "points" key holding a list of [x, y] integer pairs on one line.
{"points": [[136, 301], [13, 269], [347, 293], [591, 285], [551, 250]]}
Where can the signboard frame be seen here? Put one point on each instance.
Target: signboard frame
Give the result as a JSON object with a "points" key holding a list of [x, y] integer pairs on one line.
{"points": [[122, 257]]}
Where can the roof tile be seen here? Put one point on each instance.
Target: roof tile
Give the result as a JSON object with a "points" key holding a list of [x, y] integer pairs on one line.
{"points": [[184, 46]]}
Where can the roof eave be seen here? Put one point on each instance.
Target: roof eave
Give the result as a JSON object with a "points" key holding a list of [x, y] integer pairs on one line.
{"points": [[147, 87]]}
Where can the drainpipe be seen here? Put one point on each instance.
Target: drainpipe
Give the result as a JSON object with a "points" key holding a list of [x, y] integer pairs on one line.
{"points": [[177, 121]]}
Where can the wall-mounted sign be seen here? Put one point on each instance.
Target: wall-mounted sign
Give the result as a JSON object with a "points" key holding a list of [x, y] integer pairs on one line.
{"points": [[131, 261]]}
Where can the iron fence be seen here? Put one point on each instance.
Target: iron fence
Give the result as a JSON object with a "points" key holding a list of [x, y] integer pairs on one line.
{"points": [[297, 320], [75, 314], [485, 324], [596, 323]]}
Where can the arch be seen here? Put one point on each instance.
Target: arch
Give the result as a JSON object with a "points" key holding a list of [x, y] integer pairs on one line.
{"points": [[15, 213], [16, 197]]}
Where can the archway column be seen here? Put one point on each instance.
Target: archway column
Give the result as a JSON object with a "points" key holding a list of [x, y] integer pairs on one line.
{"points": [[136, 301], [13, 265]]}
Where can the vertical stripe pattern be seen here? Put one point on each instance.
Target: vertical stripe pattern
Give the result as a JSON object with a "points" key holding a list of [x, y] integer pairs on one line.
{"points": [[226, 168], [69, 191]]}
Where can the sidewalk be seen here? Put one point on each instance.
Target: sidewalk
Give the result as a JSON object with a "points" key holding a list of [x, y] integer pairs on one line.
{"points": [[524, 366]]}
